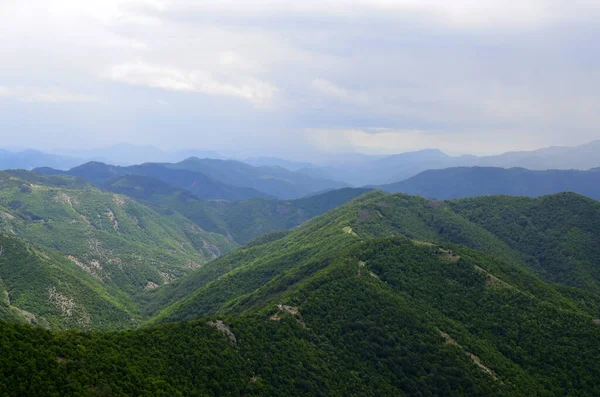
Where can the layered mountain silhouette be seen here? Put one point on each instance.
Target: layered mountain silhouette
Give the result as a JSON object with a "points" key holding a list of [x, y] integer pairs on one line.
{"points": [[211, 179], [377, 170], [481, 181]]}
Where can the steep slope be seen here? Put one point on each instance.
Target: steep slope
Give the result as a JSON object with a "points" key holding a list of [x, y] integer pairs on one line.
{"points": [[481, 181], [128, 247], [389, 314], [374, 295], [124, 244], [250, 219], [374, 214], [564, 253], [42, 287], [558, 235], [275, 181]]}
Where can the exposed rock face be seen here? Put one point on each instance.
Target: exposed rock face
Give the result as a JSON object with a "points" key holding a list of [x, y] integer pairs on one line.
{"points": [[119, 200], [112, 218], [65, 304], [151, 285], [293, 310], [223, 328], [62, 197]]}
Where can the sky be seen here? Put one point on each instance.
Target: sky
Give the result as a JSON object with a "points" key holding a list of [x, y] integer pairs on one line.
{"points": [[300, 78]]}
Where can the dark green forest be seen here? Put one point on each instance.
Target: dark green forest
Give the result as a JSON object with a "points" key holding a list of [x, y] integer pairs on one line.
{"points": [[385, 295]]}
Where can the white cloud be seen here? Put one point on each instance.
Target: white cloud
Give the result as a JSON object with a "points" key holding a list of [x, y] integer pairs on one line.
{"points": [[415, 67], [46, 95], [257, 92], [327, 88]]}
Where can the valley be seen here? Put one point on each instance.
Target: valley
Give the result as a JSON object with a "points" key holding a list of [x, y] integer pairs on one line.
{"points": [[349, 198], [424, 296]]}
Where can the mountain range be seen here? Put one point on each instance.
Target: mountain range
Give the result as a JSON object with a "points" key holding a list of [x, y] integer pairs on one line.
{"points": [[398, 167], [125, 154], [352, 169], [29, 159], [217, 277], [462, 182], [98, 249], [211, 179], [389, 292]]}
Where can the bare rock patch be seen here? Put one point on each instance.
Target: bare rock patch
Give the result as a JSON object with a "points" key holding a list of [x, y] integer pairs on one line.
{"points": [[151, 285], [119, 200], [223, 328], [113, 219]]}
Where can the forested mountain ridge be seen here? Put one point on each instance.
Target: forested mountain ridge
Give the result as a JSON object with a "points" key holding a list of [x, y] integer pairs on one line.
{"points": [[241, 221], [345, 315], [195, 182], [376, 215], [211, 179], [462, 182], [114, 242], [389, 292], [112, 247], [556, 235]]}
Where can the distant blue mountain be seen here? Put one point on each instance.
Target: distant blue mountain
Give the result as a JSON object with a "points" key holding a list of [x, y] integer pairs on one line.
{"points": [[377, 171], [29, 159], [459, 182], [211, 178]]}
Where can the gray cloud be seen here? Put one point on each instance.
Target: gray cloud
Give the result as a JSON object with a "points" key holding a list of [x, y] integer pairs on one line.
{"points": [[373, 76]]}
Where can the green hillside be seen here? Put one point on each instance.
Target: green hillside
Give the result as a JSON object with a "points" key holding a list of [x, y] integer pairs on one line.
{"points": [[386, 315], [374, 214], [385, 295], [41, 287], [558, 236], [379, 215], [124, 245], [242, 221]]}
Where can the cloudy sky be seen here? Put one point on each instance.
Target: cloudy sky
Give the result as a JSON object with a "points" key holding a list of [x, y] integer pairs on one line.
{"points": [[273, 77]]}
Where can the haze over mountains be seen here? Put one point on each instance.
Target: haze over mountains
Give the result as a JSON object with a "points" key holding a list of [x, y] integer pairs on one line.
{"points": [[212, 179], [350, 169], [299, 198], [395, 168], [294, 280], [431, 173], [461, 182]]}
